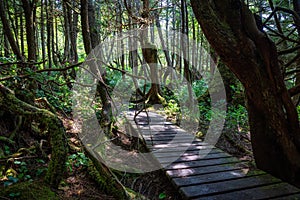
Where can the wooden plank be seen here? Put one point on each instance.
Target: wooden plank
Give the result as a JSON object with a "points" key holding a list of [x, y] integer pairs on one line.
{"points": [[162, 133], [215, 177], [166, 136], [176, 145], [182, 148], [279, 191], [295, 196], [201, 163], [162, 130], [228, 186], [167, 140], [204, 170], [188, 158], [187, 153]]}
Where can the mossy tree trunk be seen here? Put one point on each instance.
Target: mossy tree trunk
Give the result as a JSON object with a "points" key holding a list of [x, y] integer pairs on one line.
{"points": [[56, 168], [150, 55], [230, 28]]}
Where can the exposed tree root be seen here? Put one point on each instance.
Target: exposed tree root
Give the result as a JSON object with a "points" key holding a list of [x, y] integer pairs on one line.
{"points": [[45, 118], [7, 140]]}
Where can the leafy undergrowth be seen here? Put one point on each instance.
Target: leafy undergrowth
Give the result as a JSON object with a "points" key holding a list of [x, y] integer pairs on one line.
{"points": [[22, 170]]}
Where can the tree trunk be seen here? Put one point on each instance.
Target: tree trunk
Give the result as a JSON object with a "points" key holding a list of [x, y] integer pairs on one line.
{"points": [[85, 26], [149, 52], [296, 5], [30, 30], [230, 28], [49, 30], [8, 33], [42, 25], [91, 40], [184, 46], [92, 24], [73, 32], [67, 22]]}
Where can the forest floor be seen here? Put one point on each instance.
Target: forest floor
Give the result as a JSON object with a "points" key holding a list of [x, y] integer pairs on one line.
{"points": [[78, 184], [152, 185]]}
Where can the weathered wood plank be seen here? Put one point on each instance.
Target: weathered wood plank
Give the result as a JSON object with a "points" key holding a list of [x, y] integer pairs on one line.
{"points": [[201, 163], [187, 158], [279, 191], [187, 153], [204, 170], [177, 145], [173, 140], [175, 148], [163, 136], [228, 186], [295, 196], [215, 177]]}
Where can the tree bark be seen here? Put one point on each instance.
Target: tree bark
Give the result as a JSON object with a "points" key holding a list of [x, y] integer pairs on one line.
{"points": [[91, 40], [42, 25], [230, 28], [30, 30], [296, 5], [8, 32], [49, 27], [85, 26]]}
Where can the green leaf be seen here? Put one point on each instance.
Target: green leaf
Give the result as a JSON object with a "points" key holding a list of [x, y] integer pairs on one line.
{"points": [[14, 194], [17, 162], [162, 196], [12, 179]]}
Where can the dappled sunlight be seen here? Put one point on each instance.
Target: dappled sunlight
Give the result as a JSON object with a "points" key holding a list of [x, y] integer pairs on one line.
{"points": [[178, 166], [180, 173]]}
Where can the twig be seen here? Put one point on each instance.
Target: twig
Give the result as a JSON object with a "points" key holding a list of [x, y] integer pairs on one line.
{"points": [[282, 36], [18, 158], [20, 62], [5, 139], [287, 51], [40, 71], [126, 73], [286, 10]]}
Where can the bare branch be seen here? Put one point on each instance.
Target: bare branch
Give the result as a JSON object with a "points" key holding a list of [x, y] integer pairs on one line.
{"points": [[286, 10], [287, 51], [24, 63], [40, 71]]}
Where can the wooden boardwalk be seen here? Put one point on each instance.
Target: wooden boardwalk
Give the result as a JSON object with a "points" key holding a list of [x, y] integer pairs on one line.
{"points": [[202, 171]]}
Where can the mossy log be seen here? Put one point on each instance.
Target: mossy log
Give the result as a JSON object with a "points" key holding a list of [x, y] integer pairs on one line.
{"points": [[56, 168], [106, 178], [28, 191]]}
